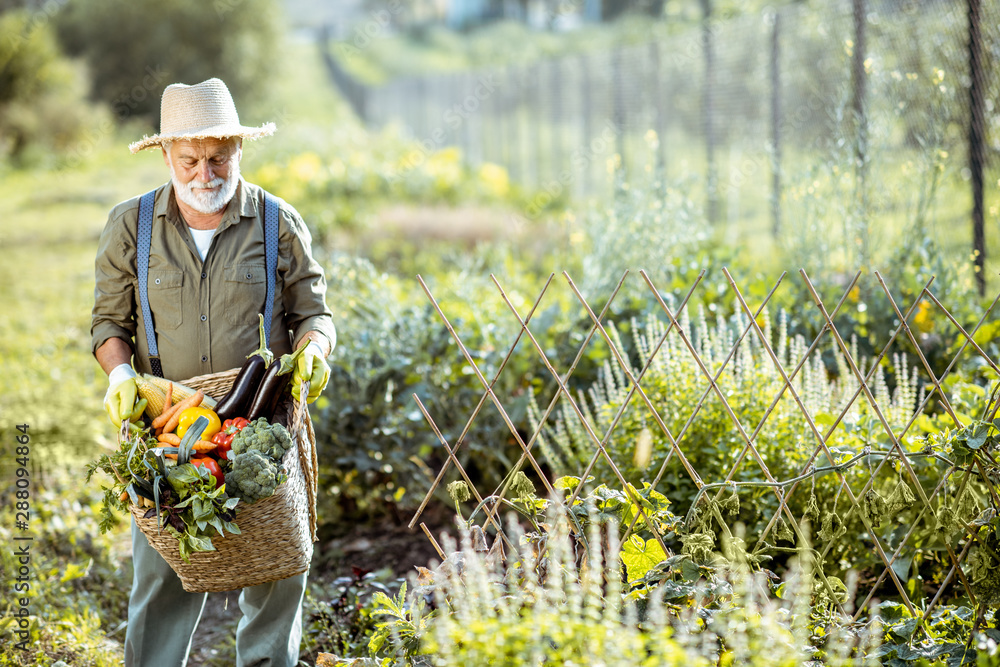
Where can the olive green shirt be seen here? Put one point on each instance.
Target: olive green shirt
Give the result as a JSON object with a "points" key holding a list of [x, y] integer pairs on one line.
{"points": [[205, 313]]}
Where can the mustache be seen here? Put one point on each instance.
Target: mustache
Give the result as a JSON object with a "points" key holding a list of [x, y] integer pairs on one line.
{"points": [[214, 183]]}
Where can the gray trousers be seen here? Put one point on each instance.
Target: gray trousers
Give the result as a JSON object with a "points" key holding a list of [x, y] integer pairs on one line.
{"points": [[162, 616]]}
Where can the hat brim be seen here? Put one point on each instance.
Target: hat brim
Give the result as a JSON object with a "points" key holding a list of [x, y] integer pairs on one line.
{"points": [[216, 132]]}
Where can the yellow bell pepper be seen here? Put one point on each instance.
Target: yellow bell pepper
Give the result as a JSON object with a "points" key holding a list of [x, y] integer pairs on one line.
{"points": [[190, 416]]}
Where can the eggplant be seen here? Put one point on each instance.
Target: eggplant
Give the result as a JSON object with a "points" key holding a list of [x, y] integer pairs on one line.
{"points": [[272, 386], [236, 402], [244, 387]]}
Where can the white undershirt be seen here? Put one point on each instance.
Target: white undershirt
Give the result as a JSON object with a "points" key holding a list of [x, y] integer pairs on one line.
{"points": [[203, 240]]}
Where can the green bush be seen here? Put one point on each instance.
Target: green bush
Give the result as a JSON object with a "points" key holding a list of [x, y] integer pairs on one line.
{"points": [[379, 452], [567, 604], [675, 384], [135, 49], [43, 95]]}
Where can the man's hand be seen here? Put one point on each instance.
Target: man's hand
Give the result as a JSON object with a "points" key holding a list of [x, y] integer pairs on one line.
{"points": [[120, 398], [311, 365]]}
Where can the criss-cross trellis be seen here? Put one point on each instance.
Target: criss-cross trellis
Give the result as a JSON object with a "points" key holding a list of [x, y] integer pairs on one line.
{"points": [[750, 453]]}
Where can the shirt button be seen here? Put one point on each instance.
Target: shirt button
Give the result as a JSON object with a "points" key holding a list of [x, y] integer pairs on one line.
{"points": [[249, 276], [204, 275], [204, 317], [204, 358]]}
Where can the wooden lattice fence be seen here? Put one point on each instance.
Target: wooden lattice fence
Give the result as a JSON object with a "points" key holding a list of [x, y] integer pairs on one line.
{"points": [[896, 527]]}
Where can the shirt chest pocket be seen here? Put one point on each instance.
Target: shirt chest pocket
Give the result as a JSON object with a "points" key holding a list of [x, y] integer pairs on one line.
{"points": [[165, 288], [246, 291]]}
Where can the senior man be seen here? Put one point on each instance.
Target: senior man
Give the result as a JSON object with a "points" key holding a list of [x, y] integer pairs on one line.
{"points": [[181, 276]]}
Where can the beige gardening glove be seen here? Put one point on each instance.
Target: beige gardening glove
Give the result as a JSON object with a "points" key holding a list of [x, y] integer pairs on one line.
{"points": [[119, 401], [311, 365]]}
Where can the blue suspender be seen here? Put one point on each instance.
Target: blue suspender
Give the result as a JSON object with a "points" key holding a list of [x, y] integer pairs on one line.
{"points": [[143, 242], [270, 259]]}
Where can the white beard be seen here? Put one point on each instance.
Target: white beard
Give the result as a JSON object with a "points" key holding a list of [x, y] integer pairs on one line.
{"points": [[195, 194]]}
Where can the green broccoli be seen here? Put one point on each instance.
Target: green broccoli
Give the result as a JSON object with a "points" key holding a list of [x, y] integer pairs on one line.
{"points": [[272, 440], [254, 476]]}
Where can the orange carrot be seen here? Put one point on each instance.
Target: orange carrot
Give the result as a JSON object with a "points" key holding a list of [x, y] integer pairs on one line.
{"points": [[169, 400], [168, 412], [203, 446], [191, 402], [169, 439]]}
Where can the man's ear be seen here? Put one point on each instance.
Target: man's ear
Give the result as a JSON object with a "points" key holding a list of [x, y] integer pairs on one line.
{"points": [[166, 156]]}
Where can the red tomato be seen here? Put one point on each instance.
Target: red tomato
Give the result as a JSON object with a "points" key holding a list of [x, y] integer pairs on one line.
{"points": [[212, 466]]}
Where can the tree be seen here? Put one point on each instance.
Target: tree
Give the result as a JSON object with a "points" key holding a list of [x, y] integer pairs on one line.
{"points": [[42, 94], [135, 48]]}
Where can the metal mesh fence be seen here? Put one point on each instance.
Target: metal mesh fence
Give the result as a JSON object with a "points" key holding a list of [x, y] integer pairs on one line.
{"points": [[849, 445], [744, 110]]}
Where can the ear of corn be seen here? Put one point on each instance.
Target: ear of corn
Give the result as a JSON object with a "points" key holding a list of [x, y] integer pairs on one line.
{"points": [[180, 391], [155, 397]]}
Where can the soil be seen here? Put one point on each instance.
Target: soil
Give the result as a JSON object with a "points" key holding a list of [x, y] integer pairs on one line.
{"points": [[371, 547]]}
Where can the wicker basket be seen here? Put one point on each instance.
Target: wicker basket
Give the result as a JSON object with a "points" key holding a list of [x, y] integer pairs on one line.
{"points": [[277, 532]]}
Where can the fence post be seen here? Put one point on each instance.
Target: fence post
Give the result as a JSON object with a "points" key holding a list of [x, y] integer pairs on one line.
{"points": [[977, 129], [523, 121], [619, 106], [775, 124], [485, 128], [708, 48], [859, 80], [465, 132], [555, 96], [656, 91], [585, 105], [536, 121]]}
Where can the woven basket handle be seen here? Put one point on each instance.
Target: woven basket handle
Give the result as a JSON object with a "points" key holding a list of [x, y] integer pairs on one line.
{"points": [[299, 411], [307, 459]]}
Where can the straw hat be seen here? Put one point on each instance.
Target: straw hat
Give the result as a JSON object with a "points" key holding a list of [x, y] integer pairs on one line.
{"points": [[203, 110]]}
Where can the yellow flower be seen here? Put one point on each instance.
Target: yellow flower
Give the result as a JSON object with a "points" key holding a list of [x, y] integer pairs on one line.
{"points": [[494, 179], [923, 320], [305, 166]]}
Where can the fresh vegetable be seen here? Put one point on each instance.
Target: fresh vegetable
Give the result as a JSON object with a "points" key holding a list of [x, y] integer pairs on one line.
{"points": [[245, 385], [212, 466], [269, 393], [190, 402], [189, 415], [155, 398], [194, 507], [224, 438], [256, 456], [276, 380], [254, 476], [168, 412], [272, 440], [180, 391], [204, 446], [118, 465], [169, 439], [189, 500]]}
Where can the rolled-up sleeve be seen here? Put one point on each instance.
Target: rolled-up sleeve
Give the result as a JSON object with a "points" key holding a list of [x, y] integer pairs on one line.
{"points": [[114, 287], [304, 293]]}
